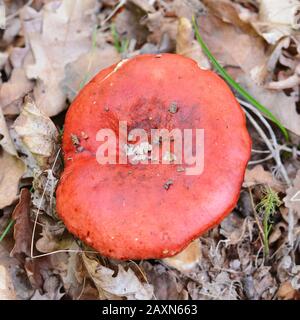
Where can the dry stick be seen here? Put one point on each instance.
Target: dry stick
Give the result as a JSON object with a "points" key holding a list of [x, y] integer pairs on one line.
{"points": [[117, 7], [261, 160], [283, 147]]}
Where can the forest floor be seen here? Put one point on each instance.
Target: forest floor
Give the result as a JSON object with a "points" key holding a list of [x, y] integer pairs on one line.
{"points": [[50, 49]]}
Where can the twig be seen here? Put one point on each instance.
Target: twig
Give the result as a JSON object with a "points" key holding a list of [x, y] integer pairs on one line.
{"points": [[115, 10]]}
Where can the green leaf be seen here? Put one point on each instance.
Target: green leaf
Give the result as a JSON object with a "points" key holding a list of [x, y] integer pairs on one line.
{"points": [[235, 85]]}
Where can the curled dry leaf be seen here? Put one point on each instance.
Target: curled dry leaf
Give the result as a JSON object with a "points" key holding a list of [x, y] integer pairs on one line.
{"points": [[37, 132], [124, 285], [292, 199], [52, 239], [258, 175], [186, 260], [11, 167], [66, 35], [23, 225]]}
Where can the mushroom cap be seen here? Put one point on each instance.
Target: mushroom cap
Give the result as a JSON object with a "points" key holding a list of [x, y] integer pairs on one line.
{"points": [[125, 211]]}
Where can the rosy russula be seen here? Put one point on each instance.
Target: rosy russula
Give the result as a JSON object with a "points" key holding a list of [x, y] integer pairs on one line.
{"points": [[141, 211]]}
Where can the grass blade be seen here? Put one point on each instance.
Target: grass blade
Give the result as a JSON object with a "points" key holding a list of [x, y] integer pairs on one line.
{"points": [[5, 232], [234, 84]]}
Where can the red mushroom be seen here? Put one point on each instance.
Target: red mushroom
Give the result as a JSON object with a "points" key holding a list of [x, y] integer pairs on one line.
{"points": [[139, 211]]}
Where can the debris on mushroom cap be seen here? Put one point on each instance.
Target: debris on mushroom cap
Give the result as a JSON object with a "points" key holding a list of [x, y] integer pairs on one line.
{"points": [[123, 210]]}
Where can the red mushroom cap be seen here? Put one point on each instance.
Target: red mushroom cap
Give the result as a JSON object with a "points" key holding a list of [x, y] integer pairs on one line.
{"points": [[128, 211]]}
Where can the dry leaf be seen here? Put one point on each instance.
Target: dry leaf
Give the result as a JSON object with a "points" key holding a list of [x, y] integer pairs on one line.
{"points": [[66, 35], [53, 240], [292, 199], [11, 168], [187, 46], [6, 287], [86, 67], [287, 292], [281, 105], [258, 175], [13, 280], [124, 284], [235, 47], [37, 132], [277, 19], [5, 139], [187, 259], [16, 88], [23, 225], [7, 290], [233, 228], [11, 171], [167, 285]]}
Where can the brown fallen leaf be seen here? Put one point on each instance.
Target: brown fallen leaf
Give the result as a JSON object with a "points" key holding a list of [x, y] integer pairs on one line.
{"points": [[292, 199], [235, 47], [52, 238], [186, 260], [66, 35], [124, 284], [11, 167], [6, 287], [7, 290], [167, 285], [37, 132], [281, 105], [287, 292], [5, 140], [11, 171], [233, 228], [258, 175], [14, 283], [81, 71], [13, 90], [23, 225]]}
